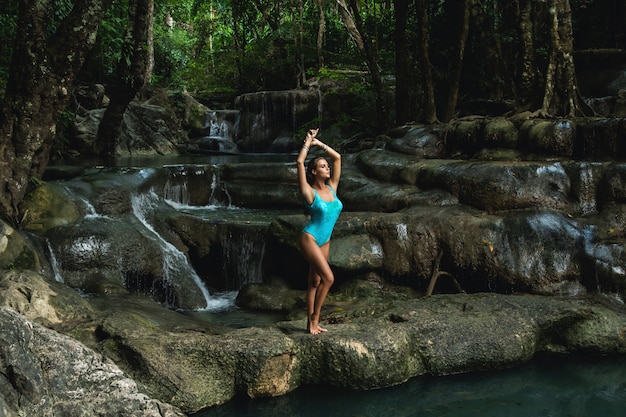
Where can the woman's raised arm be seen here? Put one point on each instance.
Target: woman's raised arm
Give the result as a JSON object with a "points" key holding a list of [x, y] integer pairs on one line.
{"points": [[305, 188]]}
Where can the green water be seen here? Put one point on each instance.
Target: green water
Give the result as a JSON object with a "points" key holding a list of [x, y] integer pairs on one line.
{"points": [[546, 387]]}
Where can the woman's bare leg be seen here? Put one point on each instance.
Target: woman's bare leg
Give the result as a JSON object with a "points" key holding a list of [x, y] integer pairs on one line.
{"points": [[320, 280], [313, 283]]}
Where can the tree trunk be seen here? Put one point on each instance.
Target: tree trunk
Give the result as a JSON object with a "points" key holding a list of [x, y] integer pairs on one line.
{"points": [[41, 75], [488, 55], [429, 108], [353, 22], [240, 41], [561, 96], [457, 59], [401, 11], [320, 34], [150, 45], [131, 74], [299, 44]]}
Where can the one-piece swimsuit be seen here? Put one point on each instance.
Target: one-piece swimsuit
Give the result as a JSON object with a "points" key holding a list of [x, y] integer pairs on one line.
{"points": [[324, 215]]}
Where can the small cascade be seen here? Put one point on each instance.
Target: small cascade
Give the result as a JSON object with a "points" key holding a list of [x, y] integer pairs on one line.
{"points": [[243, 251], [221, 123], [54, 263], [269, 115], [218, 133], [219, 195], [186, 187], [403, 233], [177, 193], [587, 188], [89, 208], [174, 261]]}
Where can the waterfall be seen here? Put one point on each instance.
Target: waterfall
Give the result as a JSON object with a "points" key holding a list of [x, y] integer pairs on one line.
{"points": [[216, 190], [186, 188], [241, 247], [174, 261], [221, 124], [267, 116], [54, 263], [242, 256], [402, 233], [177, 193], [588, 188], [217, 126]]}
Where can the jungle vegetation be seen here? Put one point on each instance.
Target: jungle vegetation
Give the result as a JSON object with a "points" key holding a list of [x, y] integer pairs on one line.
{"points": [[437, 53]]}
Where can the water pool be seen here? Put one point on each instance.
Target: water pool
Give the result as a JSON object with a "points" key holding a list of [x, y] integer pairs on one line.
{"points": [[548, 386]]}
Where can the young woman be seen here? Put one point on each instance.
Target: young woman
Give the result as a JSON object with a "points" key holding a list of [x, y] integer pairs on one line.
{"points": [[318, 185]]}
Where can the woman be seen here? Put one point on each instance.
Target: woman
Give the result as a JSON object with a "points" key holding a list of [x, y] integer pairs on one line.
{"points": [[318, 186]]}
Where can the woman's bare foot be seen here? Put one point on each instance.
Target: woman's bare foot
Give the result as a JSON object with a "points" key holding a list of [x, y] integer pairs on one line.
{"points": [[313, 327]]}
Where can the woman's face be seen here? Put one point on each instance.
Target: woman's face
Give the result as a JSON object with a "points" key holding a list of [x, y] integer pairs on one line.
{"points": [[322, 169]]}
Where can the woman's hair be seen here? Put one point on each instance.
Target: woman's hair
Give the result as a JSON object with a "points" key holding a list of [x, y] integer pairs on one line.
{"points": [[310, 167]]}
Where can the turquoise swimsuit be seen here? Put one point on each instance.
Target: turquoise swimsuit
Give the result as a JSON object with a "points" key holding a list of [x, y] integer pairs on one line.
{"points": [[324, 215]]}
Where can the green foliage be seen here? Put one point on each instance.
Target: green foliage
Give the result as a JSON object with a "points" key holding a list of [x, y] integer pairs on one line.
{"points": [[227, 47], [172, 53], [8, 27], [102, 61]]}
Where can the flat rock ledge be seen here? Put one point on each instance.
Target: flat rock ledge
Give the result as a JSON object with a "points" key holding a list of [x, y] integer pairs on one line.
{"points": [[379, 339]]}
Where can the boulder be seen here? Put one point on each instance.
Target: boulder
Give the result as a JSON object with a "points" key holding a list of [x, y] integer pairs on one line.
{"points": [[69, 379], [46, 302], [17, 251]]}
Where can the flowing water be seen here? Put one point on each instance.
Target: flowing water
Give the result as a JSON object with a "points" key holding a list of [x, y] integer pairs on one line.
{"points": [[563, 387], [548, 386], [241, 247]]}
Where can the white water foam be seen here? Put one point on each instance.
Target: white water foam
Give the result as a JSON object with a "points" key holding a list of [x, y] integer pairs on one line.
{"points": [[173, 259], [54, 264]]}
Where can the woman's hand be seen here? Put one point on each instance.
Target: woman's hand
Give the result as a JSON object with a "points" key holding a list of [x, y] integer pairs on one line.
{"points": [[310, 135]]}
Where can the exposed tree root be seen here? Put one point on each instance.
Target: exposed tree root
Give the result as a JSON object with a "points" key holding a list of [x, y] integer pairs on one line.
{"points": [[437, 273]]}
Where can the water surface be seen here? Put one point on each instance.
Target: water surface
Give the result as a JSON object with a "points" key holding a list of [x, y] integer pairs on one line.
{"points": [[548, 386]]}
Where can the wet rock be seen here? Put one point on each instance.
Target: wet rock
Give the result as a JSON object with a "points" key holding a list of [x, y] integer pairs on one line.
{"points": [[600, 139], [51, 205], [549, 137], [146, 129], [283, 111], [376, 337], [17, 252], [501, 133], [420, 141], [274, 295], [68, 379], [542, 252], [46, 302], [103, 255], [490, 186], [464, 137]]}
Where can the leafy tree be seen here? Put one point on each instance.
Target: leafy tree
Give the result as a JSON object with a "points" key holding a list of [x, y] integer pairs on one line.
{"points": [[52, 40], [354, 24], [132, 73]]}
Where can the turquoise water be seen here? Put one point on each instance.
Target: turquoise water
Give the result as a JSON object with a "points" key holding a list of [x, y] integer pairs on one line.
{"points": [[546, 387]]}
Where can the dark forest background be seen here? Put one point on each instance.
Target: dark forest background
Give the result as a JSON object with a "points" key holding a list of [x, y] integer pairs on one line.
{"points": [[437, 56]]}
